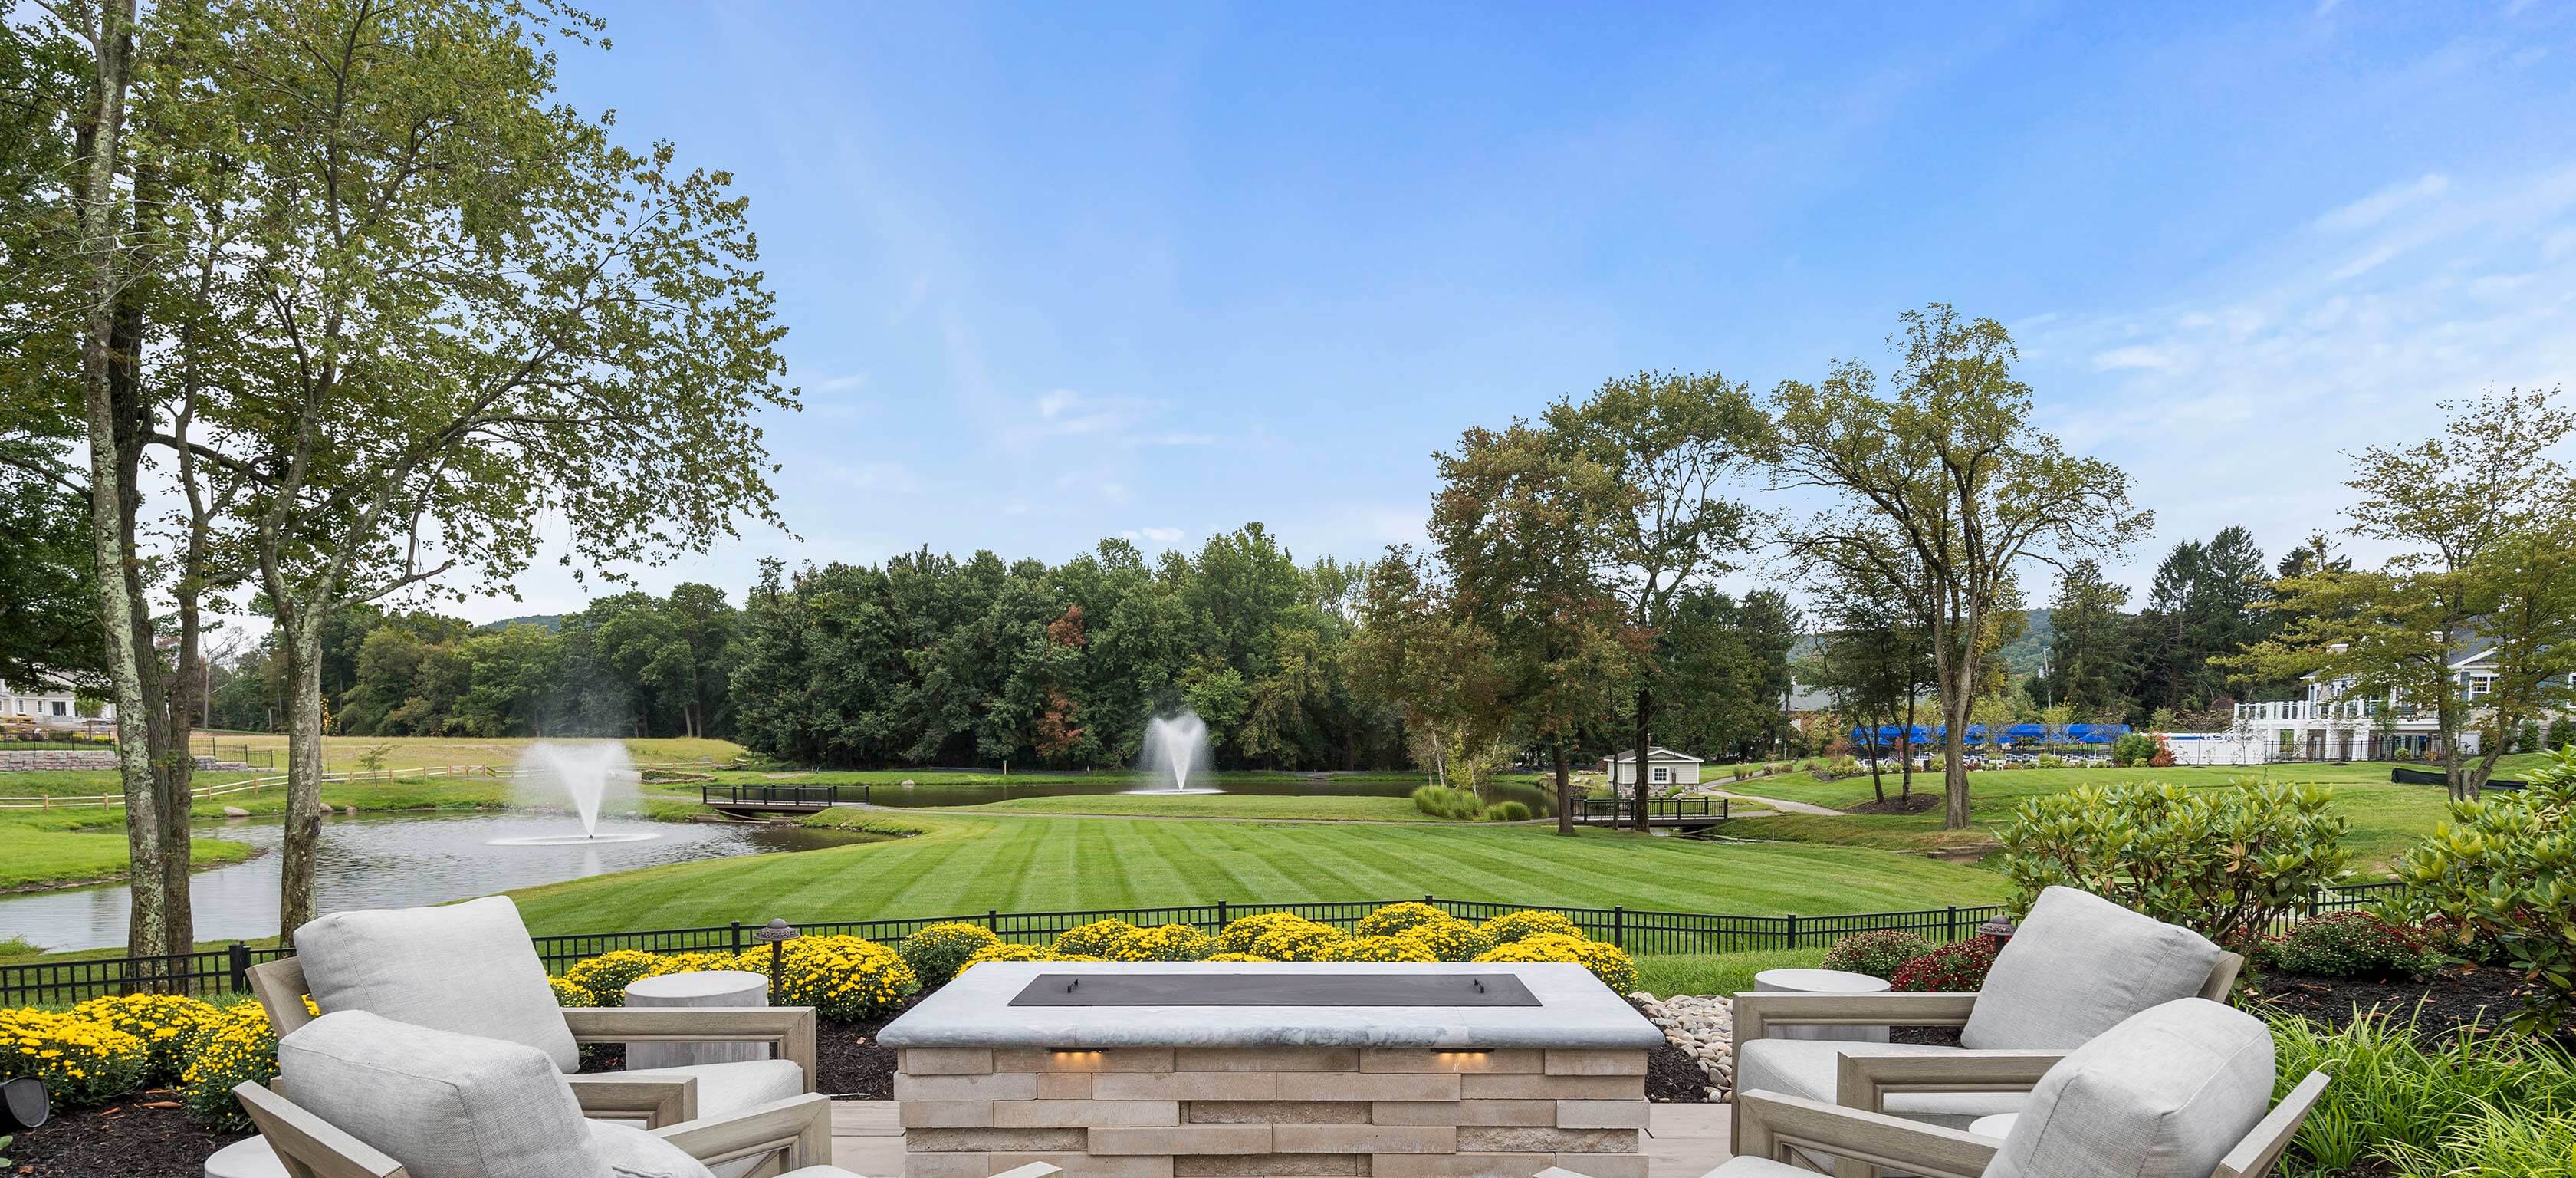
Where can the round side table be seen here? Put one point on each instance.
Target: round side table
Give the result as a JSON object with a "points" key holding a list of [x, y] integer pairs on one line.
{"points": [[724, 987], [1998, 1125], [249, 1157], [1822, 981]]}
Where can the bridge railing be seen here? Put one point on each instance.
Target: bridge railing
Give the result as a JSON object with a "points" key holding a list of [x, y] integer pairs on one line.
{"points": [[1617, 810], [781, 794]]}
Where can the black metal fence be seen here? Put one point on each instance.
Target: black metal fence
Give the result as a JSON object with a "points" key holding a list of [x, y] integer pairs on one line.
{"points": [[1644, 932], [1668, 811], [814, 797]]}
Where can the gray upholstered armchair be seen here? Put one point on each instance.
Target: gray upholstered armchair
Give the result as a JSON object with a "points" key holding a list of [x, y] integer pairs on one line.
{"points": [[2078, 965], [472, 968], [2178, 1091], [361, 1096]]}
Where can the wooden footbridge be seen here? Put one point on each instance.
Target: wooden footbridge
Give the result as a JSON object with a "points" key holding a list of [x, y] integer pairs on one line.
{"points": [[1690, 815], [749, 800]]}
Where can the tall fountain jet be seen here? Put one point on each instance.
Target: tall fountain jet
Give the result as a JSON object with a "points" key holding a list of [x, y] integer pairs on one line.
{"points": [[587, 775], [1176, 747]]}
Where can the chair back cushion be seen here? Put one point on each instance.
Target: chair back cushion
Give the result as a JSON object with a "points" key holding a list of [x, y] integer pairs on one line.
{"points": [[2164, 1094], [444, 1105], [469, 968], [2077, 966]]}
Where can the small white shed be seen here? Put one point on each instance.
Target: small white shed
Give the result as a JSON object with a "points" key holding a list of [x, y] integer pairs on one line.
{"points": [[1663, 767]]}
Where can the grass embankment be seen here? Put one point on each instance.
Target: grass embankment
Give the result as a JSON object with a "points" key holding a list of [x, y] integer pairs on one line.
{"points": [[2386, 818], [343, 753], [1317, 807], [969, 865]]}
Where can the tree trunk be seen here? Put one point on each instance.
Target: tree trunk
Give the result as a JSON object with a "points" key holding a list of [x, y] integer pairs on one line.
{"points": [[302, 651], [1645, 731], [1905, 752], [1564, 791], [1877, 784], [101, 137], [1954, 761]]}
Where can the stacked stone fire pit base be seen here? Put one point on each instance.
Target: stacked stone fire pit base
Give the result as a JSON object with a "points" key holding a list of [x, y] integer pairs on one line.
{"points": [[1267, 1089]]}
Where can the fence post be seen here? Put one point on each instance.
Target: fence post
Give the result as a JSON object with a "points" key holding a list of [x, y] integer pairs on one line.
{"points": [[2314, 894], [238, 966], [1221, 919], [1950, 930], [1793, 931], [1619, 926], [993, 919], [733, 940]]}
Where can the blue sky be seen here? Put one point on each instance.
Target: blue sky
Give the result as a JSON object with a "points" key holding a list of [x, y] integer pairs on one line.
{"points": [[1056, 272]]}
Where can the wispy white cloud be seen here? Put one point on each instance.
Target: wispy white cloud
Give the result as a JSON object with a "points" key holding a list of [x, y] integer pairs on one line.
{"points": [[838, 384], [1162, 536], [2135, 356], [892, 478], [2374, 208]]}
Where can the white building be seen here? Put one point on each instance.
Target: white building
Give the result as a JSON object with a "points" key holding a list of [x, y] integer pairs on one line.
{"points": [[49, 705], [2333, 725], [1663, 767]]}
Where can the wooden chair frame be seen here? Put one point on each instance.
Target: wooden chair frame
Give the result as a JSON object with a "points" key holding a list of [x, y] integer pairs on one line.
{"points": [[793, 1133], [657, 1101], [1774, 1125], [1864, 1082]]}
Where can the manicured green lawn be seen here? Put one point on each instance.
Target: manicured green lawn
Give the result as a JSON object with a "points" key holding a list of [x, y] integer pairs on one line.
{"points": [[1717, 973], [964, 866], [1317, 806], [31, 857]]}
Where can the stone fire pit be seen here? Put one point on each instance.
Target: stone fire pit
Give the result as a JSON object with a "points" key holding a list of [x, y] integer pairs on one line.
{"points": [[1310, 1070]]}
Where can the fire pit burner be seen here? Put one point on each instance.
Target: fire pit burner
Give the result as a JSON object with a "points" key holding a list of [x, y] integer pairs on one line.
{"points": [[1275, 989]]}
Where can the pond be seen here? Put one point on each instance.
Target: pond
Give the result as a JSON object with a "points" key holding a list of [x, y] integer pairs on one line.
{"points": [[394, 861], [1539, 795]]}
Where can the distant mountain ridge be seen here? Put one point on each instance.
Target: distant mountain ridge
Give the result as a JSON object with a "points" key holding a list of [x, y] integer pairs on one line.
{"points": [[552, 622]]}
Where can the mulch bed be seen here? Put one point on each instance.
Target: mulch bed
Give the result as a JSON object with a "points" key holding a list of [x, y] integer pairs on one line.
{"points": [[2463, 995], [1898, 805], [134, 1140], [1673, 1077]]}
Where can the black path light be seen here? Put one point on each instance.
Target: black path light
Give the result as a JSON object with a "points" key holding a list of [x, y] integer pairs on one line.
{"points": [[777, 932], [23, 1104]]}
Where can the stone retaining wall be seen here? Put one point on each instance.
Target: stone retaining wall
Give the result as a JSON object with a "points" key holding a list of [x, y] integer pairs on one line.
{"points": [[1296, 1112], [48, 760]]}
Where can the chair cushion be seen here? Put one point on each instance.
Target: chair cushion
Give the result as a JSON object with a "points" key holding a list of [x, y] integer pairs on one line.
{"points": [[2076, 967], [444, 1105], [2163, 1095], [728, 1088], [1739, 1167], [1811, 1067], [468, 968], [633, 1153]]}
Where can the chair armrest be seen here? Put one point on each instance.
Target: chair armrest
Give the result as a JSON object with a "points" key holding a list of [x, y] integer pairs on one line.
{"points": [[1773, 1123], [1755, 1012], [655, 1100], [799, 1127], [788, 1029], [1863, 1081], [302, 1139]]}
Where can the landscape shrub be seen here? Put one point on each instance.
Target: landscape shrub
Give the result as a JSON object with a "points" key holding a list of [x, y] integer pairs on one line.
{"points": [[844, 978], [1391, 948], [2468, 1104], [1005, 951], [1235, 957], [1396, 918], [1440, 801], [236, 1047], [2504, 867], [1170, 942], [2051, 761], [2526, 739], [2224, 862], [1607, 962], [1451, 940], [1955, 968], [1508, 811], [83, 1061], [164, 1022], [2132, 748], [2354, 945], [604, 977], [1092, 939], [570, 993], [1529, 922], [2562, 733], [1240, 936], [2163, 757], [1877, 953], [937, 951], [1075, 957], [1303, 941]]}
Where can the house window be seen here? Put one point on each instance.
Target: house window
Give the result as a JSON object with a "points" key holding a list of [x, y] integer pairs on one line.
{"points": [[58, 707], [2480, 685], [1663, 775]]}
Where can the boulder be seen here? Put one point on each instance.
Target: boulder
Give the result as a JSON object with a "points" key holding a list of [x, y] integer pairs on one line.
{"points": [[235, 812]]}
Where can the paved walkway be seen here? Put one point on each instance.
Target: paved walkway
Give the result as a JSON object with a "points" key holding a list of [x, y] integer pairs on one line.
{"points": [[1783, 805], [1682, 1140]]}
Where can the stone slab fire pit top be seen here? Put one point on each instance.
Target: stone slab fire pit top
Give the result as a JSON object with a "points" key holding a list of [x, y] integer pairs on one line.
{"points": [[1284, 1004]]}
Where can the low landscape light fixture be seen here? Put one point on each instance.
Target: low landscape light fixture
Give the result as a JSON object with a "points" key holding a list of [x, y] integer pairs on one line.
{"points": [[777, 932], [1998, 927]]}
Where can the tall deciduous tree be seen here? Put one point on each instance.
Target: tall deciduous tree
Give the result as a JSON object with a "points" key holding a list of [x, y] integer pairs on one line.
{"points": [[1946, 469], [2481, 514], [2087, 651], [1671, 445], [1515, 520], [461, 310]]}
